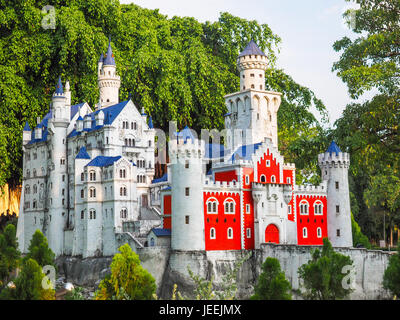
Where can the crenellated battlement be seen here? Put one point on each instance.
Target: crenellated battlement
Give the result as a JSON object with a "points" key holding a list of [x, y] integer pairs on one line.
{"points": [[329, 159], [191, 149], [208, 183], [322, 188]]}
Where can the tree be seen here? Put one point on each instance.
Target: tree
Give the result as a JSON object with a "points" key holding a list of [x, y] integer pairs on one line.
{"points": [[391, 277], [176, 69], [370, 130], [272, 283], [29, 284], [39, 250], [322, 275], [358, 237], [9, 254], [128, 279]]}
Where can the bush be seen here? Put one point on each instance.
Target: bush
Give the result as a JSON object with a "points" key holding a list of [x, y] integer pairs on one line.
{"points": [[272, 283], [128, 279], [391, 277]]}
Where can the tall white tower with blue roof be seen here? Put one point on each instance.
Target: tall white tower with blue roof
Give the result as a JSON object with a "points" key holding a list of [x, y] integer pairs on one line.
{"points": [[334, 166], [108, 79]]}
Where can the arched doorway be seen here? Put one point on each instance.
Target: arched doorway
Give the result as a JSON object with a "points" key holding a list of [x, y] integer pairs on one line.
{"points": [[272, 234]]}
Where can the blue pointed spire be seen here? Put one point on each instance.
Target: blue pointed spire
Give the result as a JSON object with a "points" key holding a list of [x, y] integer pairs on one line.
{"points": [[59, 87], [109, 58], [82, 154], [151, 123], [101, 57], [27, 127], [334, 148]]}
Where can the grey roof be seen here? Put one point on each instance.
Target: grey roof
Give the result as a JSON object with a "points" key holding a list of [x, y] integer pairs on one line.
{"points": [[252, 49]]}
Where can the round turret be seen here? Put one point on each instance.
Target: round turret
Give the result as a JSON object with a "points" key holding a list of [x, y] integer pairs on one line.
{"points": [[334, 166], [252, 64], [187, 221]]}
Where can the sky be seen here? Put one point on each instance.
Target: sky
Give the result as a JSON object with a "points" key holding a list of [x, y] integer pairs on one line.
{"points": [[308, 30]]}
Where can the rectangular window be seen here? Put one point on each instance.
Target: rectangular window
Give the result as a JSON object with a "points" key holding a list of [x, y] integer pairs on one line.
{"points": [[82, 214], [288, 180], [82, 193], [187, 164], [247, 208], [267, 163], [248, 232], [187, 219], [247, 179], [187, 192], [337, 185], [338, 232], [337, 209]]}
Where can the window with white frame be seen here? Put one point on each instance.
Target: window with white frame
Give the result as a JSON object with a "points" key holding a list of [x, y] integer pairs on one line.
{"points": [[288, 180], [304, 207], [229, 206], [247, 179], [248, 233], [92, 176], [247, 208], [122, 192], [273, 179], [289, 209], [124, 213], [318, 208], [212, 206], [263, 178], [92, 214], [212, 233], [319, 232], [305, 232], [267, 163], [230, 233], [92, 192]]}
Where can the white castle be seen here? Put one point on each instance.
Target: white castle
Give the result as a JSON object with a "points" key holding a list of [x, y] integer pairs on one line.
{"points": [[88, 177]]}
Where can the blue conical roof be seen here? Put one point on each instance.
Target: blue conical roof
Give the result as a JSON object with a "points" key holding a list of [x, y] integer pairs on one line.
{"points": [[27, 127], [109, 58], [151, 123], [59, 86], [82, 154], [334, 148], [101, 57], [252, 48]]}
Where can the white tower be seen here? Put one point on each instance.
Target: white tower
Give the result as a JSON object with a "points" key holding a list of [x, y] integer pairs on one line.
{"points": [[57, 213], [187, 180], [252, 112], [334, 165], [109, 81]]}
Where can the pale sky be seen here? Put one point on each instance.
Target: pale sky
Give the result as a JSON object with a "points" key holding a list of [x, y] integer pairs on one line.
{"points": [[308, 29]]}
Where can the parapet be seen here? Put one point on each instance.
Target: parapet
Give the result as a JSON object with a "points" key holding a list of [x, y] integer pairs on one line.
{"points": [[189, 149], [330, 159], [310, 189]]}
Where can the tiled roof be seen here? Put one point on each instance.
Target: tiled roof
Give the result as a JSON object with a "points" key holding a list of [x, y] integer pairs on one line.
{"points": [[27, 127], [82, 154], [252, 48], [162, 232], [162, 179], [75, 109], [185, 134], [334, 148], [102, 161], [245, 152], [151, 123]]}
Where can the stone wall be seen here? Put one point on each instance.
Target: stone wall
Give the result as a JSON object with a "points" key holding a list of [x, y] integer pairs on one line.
{"points": [[171, 267]]}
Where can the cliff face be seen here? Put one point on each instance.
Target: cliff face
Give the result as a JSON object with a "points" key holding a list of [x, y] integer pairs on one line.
{"points": [[9, 200]]}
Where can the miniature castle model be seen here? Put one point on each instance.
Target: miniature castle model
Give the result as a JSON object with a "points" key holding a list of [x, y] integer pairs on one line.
{"points": [[88, 177]]}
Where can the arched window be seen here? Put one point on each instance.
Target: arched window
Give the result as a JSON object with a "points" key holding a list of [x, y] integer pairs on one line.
{"points": [[122, 192], [305, 234], [92, 192], [34, 188], [229, 206], [27, 189], [28, 173], [230, 233], [124, 213], [34, 204], [273, 179], [34, 172], [212, 205], [122, 173], [82, 176], [212, 233], [92, 175], [318, 208], [263, 178], [152, 242], [82, 214], [319, 232], [92, 214], [304, 207]]}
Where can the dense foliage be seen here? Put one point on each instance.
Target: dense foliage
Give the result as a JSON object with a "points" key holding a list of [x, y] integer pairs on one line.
{"points": [[370, 130], [177, 69], [128, 279], [322, 275], [9, 254], [391, 277], [39, 250], [272, 283]]}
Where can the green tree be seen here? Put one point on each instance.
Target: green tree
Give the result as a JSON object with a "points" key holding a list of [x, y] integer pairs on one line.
{"points": [[9, 254], [358, 237], [39, 250], [322, 275], [391, 277], [176, 69], [272, 283], [28, 284], [128, 279]]}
